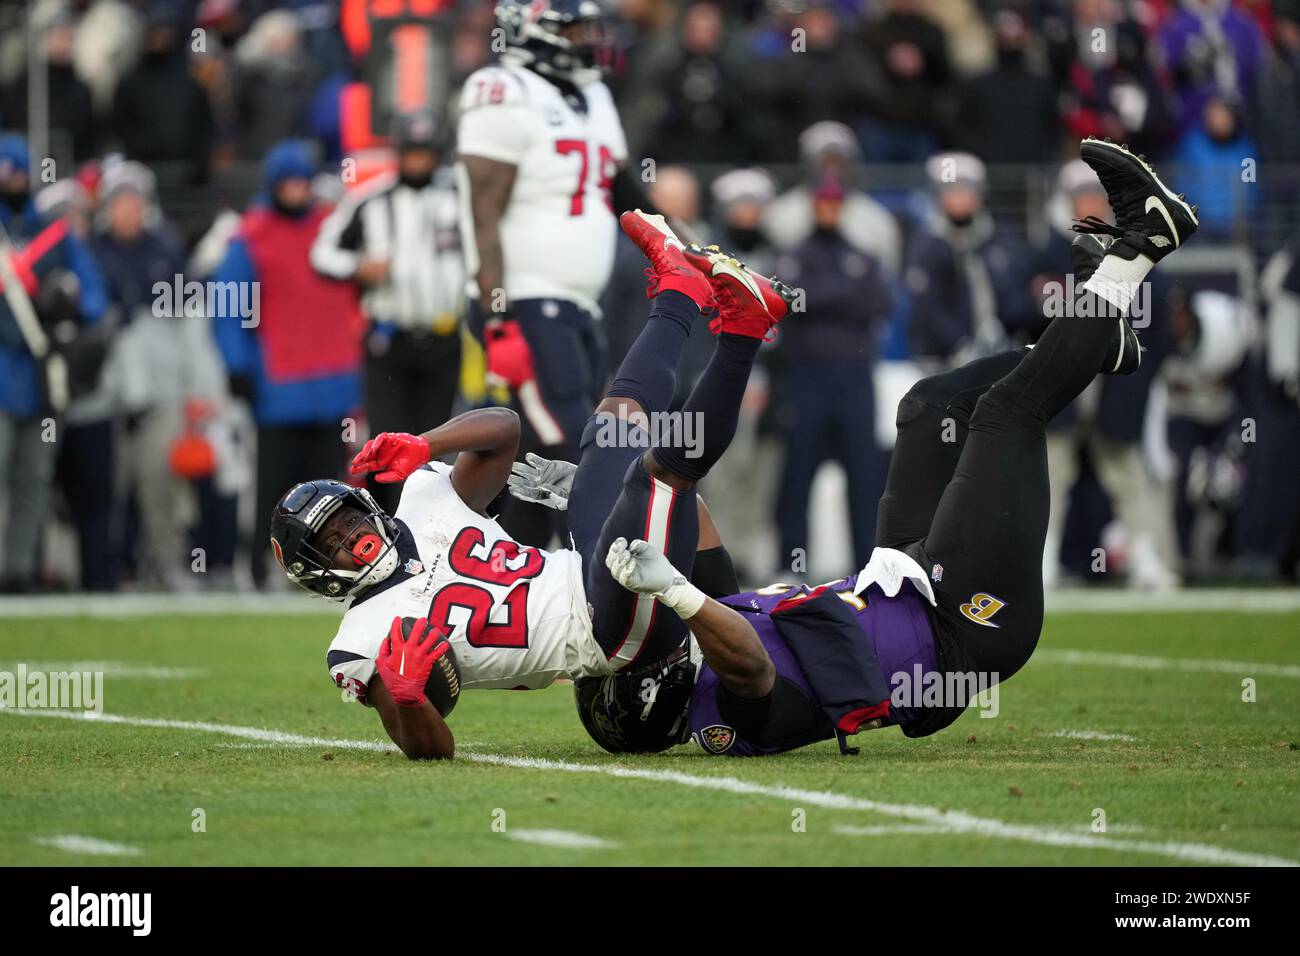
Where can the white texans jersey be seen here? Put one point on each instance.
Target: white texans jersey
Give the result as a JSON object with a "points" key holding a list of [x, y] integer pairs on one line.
{"points": [[559, 228], [517, 616]]}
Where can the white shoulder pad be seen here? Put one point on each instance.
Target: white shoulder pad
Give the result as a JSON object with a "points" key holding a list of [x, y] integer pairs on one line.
{"points": [[496, 120], [493, 86], [428, 491], [889, 569]]}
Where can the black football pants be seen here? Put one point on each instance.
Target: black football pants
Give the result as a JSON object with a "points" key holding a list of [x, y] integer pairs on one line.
{"points": [[967, 493]]}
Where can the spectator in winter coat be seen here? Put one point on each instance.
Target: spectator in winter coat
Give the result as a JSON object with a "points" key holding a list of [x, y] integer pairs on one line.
{"points": [[693, 98], [825, 74], [827, 394], [1216, 158], [297, 354], [160, 112], [829, 149], [1111, 88], [743, 483], [1275, 108], [1213, 50], [42, 249], [1009, 114], [967, 277], [912, 51], [274, 83], [148, 371], [71, 110]]}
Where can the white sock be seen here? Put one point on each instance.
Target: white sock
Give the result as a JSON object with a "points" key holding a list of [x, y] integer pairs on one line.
{"points": [[683, 597], [1117, 280]]}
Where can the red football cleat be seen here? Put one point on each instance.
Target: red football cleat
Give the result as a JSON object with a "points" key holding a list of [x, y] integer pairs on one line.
{"points": [[748, 303], [702, 256], [668, 266]]}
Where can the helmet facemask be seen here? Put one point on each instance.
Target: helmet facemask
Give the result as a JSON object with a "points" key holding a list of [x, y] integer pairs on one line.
{"points": [[339, 562]]}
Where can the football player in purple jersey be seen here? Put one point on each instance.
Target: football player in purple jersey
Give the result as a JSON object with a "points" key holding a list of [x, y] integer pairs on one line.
{"points": [[952, 598]]}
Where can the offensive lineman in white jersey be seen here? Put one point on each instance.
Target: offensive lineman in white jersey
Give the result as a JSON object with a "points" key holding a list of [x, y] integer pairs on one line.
{"points": [[501, 614], [542, 153]]}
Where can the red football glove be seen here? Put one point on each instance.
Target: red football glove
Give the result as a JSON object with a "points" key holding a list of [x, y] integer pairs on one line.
{"points": [[509, 360], [393, 454], [405, 663]]}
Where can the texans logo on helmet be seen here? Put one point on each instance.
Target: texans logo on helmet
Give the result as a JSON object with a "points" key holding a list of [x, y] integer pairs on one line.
{"points": [[716, 738]]}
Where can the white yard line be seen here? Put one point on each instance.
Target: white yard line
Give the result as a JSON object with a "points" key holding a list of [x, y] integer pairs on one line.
{"points": [[312, 742], [955, 820], [919, 828], [1049, 655], [895, 829], [84, 844], [232, 730], [1090, 735], [233, 603], [562, 838]]}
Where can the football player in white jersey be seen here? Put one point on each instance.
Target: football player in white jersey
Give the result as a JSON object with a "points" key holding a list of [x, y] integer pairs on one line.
{"points": [[508, 615], [541, 158]]}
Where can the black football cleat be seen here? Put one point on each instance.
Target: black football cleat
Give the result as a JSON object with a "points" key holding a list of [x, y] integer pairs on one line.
{"points": [[1086, 253], [1125, 353], [1150, 219]]}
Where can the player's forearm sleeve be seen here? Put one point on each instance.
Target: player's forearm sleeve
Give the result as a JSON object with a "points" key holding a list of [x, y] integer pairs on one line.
{"points": [[714, 572]]}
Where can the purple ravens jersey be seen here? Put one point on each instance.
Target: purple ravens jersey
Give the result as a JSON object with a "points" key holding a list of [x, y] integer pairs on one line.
{"points": [[898, 628]]}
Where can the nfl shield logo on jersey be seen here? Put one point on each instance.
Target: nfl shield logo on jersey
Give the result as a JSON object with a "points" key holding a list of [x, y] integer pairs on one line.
{"points": [[412, 566], [716, 738], [936, 574]]}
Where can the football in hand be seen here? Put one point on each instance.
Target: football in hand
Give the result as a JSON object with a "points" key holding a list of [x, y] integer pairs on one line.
{"points": [[443, 686]]}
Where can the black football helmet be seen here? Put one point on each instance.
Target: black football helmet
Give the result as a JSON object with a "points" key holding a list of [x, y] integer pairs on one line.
{"points": [[297, 520], [533, 31], [642, 712]]}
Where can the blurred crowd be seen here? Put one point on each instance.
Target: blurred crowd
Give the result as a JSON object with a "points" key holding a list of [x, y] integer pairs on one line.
{"points": [[906, 164]]}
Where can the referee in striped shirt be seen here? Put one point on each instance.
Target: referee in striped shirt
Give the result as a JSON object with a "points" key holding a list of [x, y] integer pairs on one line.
{"points": [[397, 237]]}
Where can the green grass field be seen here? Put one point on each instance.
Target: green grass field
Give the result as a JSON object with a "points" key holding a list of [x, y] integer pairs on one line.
{"points": [[1188, 773]]}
